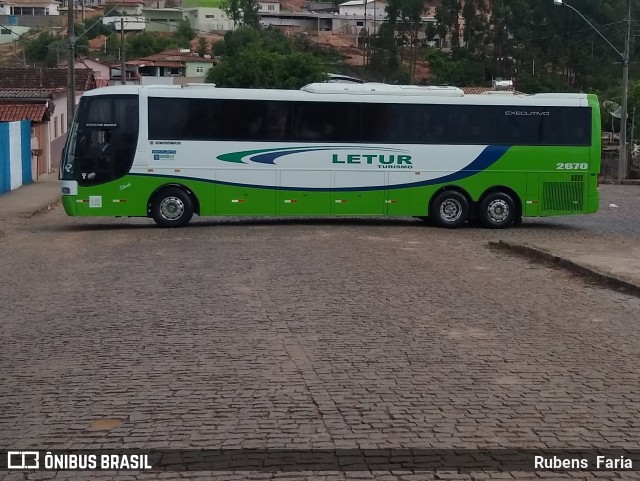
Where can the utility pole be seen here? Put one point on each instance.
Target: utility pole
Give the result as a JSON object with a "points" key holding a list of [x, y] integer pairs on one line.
{"points": [[71, 74], [364, 56], [123, 71], [622, 161]]}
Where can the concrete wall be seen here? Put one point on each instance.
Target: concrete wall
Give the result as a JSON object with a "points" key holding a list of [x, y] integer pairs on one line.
{"points": [[32, 20], [15, 155], [11, 34], [213, 20]]}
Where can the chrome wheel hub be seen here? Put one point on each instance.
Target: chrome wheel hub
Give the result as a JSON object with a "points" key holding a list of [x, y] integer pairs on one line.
{"points": [[498, 210], [450, 210], [171, 208]]}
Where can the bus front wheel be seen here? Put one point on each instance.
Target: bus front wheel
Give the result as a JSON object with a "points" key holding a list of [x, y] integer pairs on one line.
{"points": [[497, 210], [450, 209], [172, 207]]}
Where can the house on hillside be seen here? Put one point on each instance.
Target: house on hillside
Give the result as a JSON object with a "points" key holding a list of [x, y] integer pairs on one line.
{"points": [[41, 96], [37, 106], [128, 23], [128, 7], [168, 19], [29, 7], [213, 20], [100, 70], [271, 6], [361, 8], [173, 67]]}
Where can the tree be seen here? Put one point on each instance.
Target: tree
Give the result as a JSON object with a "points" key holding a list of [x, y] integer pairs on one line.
{"points": [[447, 15], [36, 49], [253, 58], [458, 68], [203, 48], [540, 45], [403, 26], [242, 12], [185, 31]]}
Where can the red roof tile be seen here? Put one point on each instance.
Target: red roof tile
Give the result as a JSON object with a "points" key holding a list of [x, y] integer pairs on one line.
{"points": [[45, 79], [11, 111]]}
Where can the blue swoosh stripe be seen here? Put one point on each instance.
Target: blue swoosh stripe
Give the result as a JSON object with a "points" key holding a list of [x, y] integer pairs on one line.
{"points": [[489, 156]]}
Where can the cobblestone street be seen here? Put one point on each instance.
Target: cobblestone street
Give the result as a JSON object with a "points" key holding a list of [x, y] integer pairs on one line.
{"points": [[312, 334]]}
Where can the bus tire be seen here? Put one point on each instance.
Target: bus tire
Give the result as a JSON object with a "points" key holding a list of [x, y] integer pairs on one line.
{"points": [[497, 210], [449, 209], [172, 207]]}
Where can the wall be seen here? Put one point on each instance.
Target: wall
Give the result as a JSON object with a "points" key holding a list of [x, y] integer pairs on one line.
{"points": [[11, 34], [15, 155], [376, 9], [268, 7], [213, 20], [32, 20]]}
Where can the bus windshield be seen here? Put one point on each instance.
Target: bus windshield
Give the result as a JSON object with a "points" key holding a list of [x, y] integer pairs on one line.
{"points": [[102, 140]]}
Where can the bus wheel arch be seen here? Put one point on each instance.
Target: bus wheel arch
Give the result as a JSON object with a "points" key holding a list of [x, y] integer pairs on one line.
{"points": [[450, 207], [499, 207], [172, 205]]}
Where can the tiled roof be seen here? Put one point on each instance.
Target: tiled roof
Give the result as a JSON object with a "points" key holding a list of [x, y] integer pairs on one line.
{"points": [[11, 111], [171, 56], [43, 3], [155, 63], [44, 79], [25, 94]]}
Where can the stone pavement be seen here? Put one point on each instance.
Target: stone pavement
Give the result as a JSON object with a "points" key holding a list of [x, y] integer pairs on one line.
{"points": [[32, 198], [614, 258]]}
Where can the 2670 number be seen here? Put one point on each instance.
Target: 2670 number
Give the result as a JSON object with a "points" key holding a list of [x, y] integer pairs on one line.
{"points": [[571, 166]]}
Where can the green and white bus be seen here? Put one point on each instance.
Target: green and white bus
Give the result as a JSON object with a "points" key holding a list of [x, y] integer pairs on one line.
{"points": [[331, 149]]}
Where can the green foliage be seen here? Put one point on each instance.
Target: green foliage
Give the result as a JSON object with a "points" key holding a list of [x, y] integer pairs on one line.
{"points": [[541, 46], [242, 12], [267, 59], [457, 68], [92, 28], [203, 48], [143, 44], [399, 33], [185, 31], [36, 49]]}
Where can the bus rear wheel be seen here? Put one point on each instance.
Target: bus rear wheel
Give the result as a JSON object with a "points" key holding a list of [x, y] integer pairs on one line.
{"points": [[172, 207], [497, 210], [450, 209]]}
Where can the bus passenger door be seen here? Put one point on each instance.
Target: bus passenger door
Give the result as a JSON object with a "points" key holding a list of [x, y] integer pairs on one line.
{"points": [[359, 193]]}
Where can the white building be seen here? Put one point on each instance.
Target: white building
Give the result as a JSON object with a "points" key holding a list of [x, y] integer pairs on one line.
{"points": [[268, 6], [213, 20], [128, 23], [12, 33], [371, 8], [29, 7]]}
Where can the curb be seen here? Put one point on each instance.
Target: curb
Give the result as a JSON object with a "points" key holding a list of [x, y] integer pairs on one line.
{"points": [[620, 182], [44, 208], [588, 272]]}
